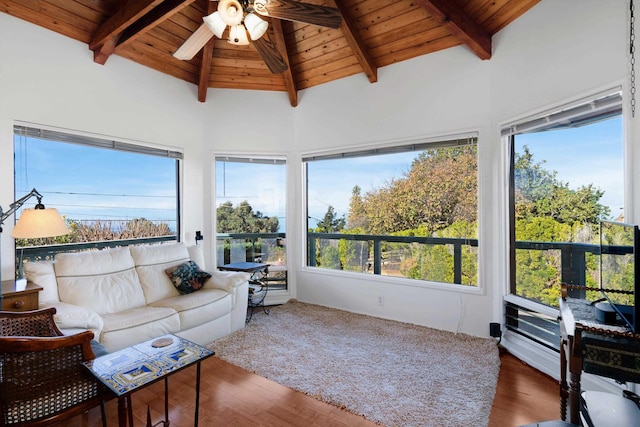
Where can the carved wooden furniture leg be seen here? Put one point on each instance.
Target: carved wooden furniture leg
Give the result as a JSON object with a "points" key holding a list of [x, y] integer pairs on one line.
{"points": [[574, 398], [564, 387]]}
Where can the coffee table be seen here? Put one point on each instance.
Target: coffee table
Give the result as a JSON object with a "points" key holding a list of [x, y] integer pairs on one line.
{"points": [[138, 366]]}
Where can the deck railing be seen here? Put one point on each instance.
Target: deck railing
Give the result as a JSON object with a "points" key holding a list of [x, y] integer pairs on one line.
{"points": [[573, 261], [37, 253], [572, 255]]}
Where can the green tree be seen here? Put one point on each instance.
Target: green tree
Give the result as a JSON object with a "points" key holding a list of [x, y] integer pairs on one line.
{"points": [[357, 214], [547, 210], [242, 219], [540, 194], [331, 223], [439, 189]]}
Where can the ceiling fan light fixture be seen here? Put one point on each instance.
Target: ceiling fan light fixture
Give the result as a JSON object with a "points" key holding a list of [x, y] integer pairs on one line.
{"points": [[255, 25], [230, 12], [215, 24], [260, 6], [238, 35]]}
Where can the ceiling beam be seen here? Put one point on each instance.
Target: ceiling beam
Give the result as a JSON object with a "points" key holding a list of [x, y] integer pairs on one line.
{"points": [[352, 35], [462, 25], [205, 64], [281, 45], [134, 19], [106, 36]]}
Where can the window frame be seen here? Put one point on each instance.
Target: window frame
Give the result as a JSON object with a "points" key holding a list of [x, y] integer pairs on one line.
{"points": [[604, 104], [391, 147], [266, 159], [586, 110], [91, 140]]}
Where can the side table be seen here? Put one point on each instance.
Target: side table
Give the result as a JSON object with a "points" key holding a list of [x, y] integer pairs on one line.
{"points": [[19, 300], [258, 286]]}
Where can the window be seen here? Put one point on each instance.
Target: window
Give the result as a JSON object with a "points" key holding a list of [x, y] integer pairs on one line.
{"points": [[403, 211], [567, 175], [106, 190], [251, 219]]}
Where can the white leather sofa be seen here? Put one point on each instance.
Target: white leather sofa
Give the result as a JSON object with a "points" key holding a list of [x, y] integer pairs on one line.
{"points": [[125, 296]]}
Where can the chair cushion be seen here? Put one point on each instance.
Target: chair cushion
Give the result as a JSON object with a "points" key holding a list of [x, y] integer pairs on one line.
{"points": [[601, 409]]}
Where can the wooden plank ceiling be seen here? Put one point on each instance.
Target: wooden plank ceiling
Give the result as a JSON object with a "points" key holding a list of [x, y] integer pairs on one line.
{"points": [[373, 34]]}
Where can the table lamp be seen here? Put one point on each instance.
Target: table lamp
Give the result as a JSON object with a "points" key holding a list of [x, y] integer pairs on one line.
{"points": [[36, 222]]}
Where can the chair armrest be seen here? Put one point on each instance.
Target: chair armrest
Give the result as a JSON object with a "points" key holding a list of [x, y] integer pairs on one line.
{"points": [[23, 344], [37, 323], [71, 316], [227, 280]]}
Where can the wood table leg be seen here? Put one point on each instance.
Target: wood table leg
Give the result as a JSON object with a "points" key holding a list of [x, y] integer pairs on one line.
{"points": [[196, 415], [124, 411], [166, 401]]}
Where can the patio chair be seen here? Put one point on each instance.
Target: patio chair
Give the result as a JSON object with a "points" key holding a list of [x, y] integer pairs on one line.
{"points": [[43, 380]]}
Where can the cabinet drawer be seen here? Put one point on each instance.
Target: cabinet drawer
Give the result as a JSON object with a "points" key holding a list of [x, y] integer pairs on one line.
{"points": [[21, 302]]}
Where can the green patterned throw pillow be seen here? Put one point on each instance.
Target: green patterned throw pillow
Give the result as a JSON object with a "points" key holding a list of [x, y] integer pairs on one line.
{"points": [[187, 277]]}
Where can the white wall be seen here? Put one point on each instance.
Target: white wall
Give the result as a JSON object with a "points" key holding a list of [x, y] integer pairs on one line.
{"points": [[440, 94], [52, 80], [559, 51]]}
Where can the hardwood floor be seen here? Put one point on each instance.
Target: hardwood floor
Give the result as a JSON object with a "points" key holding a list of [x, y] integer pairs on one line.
{"points": [[231, 396], [524, 395]]}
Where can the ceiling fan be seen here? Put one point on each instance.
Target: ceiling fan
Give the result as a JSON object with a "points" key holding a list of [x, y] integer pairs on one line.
{"points": [[243, 17]]}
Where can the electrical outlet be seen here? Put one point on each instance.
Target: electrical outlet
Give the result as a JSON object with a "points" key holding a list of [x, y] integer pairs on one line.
{"points": [[494, 330], [380, 300]]}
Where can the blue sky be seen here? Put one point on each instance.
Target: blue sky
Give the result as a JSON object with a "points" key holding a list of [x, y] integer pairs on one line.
{"points": [[580, 156], [584, 155], [83, 185], [262, 185]]}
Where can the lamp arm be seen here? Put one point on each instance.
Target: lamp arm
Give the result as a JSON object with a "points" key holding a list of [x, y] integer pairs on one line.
{"points": [[17, 204]]}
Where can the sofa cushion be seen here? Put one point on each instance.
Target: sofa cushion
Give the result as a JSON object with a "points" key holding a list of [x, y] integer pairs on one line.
{"points": [[198, 308], [104, 281], [187, 277], [41, 273], [133, 326], [151, 261], [197, 255]]}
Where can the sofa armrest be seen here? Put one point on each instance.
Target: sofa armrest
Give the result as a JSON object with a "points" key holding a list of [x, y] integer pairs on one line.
{"points": [[74, 317], [226, 280]]}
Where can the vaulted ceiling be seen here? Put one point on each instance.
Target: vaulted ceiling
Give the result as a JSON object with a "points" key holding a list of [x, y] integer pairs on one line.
{"points": [[372, 34]]}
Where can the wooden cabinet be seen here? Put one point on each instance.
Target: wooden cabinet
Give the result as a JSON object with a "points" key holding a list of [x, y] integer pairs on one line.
{"points": [[23, 300], [592, 347]]}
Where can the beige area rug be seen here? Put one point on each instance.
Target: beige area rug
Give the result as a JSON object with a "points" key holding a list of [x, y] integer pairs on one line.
{"points": [[392, 373]]}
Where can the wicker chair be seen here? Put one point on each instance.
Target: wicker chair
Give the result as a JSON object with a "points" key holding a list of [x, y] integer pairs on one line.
{"points": [[43, 380]]}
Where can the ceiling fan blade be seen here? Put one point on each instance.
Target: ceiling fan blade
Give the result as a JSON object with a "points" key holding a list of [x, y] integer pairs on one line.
{"points": [[291, 10], [270, 55], [194, 43]]}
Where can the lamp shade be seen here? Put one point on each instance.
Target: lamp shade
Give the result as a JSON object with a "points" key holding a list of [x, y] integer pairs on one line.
{"points": [[238, 35], [38, 223], [256, 26], [215, 24], [230, 12]]}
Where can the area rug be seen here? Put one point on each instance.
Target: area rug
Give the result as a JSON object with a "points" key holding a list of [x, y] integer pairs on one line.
{"points": [[392, 373]]}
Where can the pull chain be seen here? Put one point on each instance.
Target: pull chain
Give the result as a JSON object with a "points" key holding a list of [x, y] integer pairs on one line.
{"points": [[632, 58]]}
